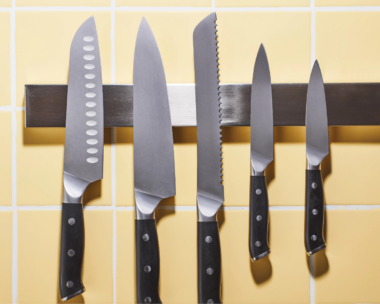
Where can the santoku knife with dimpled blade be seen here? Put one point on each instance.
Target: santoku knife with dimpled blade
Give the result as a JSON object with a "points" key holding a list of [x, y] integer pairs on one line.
{"points": [[317, 148], [210, 191], [153, 158], [83, 151], [261, 155]]}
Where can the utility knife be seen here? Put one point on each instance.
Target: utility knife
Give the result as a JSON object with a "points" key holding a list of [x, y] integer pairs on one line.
{"points": [[210, 190], [261, 155], [153, 158], [317, 148], [83, 163]]}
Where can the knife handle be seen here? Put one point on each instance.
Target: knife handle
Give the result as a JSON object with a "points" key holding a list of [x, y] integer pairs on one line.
{"points": [[209, 263], [258, 218], [72, 245], [147, 262], [314, 212]]}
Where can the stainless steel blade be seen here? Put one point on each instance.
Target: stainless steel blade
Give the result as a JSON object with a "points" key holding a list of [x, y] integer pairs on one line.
{"points": [[317, 130], [261, 114], [153, 136], [210, 191], [84, 118]]}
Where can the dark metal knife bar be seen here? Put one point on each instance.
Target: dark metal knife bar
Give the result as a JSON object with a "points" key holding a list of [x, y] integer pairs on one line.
{"points": [[348, 104]]}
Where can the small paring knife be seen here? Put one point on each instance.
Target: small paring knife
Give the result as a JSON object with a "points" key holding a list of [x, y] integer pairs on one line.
{"points": [[83, 163], [153, 158], [261, 155], [317, 148]]}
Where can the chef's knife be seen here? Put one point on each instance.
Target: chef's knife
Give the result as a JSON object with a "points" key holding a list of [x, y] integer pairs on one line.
{"points": [[153, 157], [83, 151], [317, 148], [261, 155], [210, 191]]}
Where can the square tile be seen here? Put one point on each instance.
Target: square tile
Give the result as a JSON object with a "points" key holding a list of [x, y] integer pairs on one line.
{"points": [[5, 62], [6, 257], [261, 3], [190, 3], [177, 226], [6, 158], [43, 41], [282, 277], [6, 3], [286, 37], [40, 168], [345, 47], [347, 2], [339, 276], [63, 3], [38, 257], [174, 34]]}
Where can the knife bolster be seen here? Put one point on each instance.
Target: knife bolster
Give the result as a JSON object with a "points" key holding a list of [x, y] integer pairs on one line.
{"points": [[145, 205], [73, 189], [207, 208]]}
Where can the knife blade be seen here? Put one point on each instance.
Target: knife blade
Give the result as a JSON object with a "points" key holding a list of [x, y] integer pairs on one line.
{"points": [[261, 155], [210, 190], [153, 157], [83, 158], [317, 148]]}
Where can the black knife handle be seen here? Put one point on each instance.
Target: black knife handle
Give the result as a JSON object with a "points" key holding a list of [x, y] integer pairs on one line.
{"points": [[72, 245], [209, 263], [258, 218], [147, 262], [314, 212]]}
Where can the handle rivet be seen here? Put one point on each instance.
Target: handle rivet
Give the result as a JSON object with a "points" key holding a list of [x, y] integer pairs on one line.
{"points": [[259, 218], [148, 300], [313, 237], [208, 239], [146, 237], [69, 284], [210, 301], [210, 271], [71, 221], [315, 211], [258, 191], [147, 268], [258, 244], [71, 253], [314, 185]]}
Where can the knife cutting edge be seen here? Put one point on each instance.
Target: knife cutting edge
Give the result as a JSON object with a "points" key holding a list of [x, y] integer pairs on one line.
{"points": [[261, 155], [317, 148], [83, 162], [210, 190], [153, 158]]}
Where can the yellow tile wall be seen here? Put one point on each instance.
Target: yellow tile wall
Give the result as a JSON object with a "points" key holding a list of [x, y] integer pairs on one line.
{"points": [[35, 40]]}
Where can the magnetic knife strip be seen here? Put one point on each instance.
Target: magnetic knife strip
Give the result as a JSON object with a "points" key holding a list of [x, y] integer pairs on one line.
{"points": [[348, 104]]}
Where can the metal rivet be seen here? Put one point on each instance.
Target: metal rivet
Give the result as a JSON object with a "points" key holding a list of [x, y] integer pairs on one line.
{"points": [[315, 211], [147, 268], [146, 237], [258, 191], [208, 239], [210, 271], [258, 244], [148, 300], [314, 185], [69, 284], [259, 218], [71, 221], [210, 301], [71, 253], [313, 237]]}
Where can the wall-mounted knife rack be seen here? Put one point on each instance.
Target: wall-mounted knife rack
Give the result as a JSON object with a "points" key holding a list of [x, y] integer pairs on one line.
{"points": [[348, 104]]}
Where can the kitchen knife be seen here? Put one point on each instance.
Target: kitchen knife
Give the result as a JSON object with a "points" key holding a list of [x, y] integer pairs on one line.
{"points": [[210, 191], [261, 155], [317, 148], [153, 157], [83, 151]]}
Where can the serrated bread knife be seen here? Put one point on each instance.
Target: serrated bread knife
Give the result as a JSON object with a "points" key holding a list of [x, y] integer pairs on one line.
{"points": [[261, 155], [210, 191], [153, 158], [317, 148], [83, 151]]}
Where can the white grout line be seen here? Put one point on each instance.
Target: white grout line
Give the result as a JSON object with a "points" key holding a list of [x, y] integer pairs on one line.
{"points": [[213, 5], [312, 283]]}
